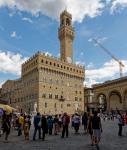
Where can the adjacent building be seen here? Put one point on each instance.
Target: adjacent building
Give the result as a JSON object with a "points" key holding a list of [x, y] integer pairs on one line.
{"points": [[107, 96], [50, 85], [90, 104]]}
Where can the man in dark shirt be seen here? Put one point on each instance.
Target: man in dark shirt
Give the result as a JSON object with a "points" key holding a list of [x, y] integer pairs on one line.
{"points": [[97, 128]]}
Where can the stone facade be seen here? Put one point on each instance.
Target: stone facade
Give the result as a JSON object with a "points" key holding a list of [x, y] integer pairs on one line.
{"points": [[48, 84]]}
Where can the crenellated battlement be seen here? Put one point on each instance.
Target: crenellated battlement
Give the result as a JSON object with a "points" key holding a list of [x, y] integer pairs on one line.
{"points": [[51, 57]]}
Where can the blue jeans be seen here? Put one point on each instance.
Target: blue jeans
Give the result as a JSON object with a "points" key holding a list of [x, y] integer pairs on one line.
{"points": [[39, 133]]}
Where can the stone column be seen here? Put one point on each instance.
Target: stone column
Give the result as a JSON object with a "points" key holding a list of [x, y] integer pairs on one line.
{"points": [[124, 100], [108, 103]]}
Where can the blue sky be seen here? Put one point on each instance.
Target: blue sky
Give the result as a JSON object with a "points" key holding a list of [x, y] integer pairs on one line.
{"points": [[29, 26]]}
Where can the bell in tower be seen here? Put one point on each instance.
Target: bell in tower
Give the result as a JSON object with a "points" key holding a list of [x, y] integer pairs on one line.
{"points": [[66, 37]]}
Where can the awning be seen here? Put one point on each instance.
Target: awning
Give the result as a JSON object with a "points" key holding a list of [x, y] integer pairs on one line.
{"points": [[7, 108]]}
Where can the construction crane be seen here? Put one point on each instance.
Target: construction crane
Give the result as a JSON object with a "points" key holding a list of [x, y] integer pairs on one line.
{"points": [[109, 53]]}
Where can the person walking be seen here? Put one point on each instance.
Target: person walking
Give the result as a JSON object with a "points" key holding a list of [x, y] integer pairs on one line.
{"points": [[76, 122], [85, 121], [125, 120], [89, 128], [97, 129], [56, 124], [44, 126], [26, 127], [50, 124], [20, 124], [65, 124], [120, 120], [72, 121], [59, 122], [6, 126], [37, 126]]}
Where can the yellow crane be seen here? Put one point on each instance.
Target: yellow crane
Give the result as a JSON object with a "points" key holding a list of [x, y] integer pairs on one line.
{"points": [[109, 53]]}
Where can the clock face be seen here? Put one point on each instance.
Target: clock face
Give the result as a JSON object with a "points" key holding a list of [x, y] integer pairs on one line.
{"points": [[69, 60]]}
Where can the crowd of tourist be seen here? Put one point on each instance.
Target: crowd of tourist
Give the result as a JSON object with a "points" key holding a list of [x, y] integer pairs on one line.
{"points": [[60, 124]]}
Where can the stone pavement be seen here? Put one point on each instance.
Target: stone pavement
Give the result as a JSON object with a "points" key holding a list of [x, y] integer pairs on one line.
{"points": [[109, 141]]}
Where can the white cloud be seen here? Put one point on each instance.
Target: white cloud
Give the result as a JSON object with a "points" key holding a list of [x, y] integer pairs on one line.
{"points": [[1, 83], [11, 63], [14, 35], [48, 54], [27, 19], [90, 82], [118, 4], [108, 71], [58, 55], [52, 8], [80, 63], [90, 65]]}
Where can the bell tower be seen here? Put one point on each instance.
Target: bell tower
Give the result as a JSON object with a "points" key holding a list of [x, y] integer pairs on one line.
{"points": [[66, 37]]}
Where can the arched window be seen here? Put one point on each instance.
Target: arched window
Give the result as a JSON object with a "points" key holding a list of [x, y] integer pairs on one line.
{"points": [[62, 22], [67, 22]]}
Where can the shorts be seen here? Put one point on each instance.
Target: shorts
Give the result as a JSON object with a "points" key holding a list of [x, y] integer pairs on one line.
{"points": [[97, 133]]}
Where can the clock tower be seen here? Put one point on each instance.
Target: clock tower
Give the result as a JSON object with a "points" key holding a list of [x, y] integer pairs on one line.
{"points": [[66, 37]]}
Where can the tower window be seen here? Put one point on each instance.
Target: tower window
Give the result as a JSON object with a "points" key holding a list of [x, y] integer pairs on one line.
{"points": [[43, 95], [68, 105], [50, 96], [76, 98], [56, 96], [62, 22], [67, 22]]}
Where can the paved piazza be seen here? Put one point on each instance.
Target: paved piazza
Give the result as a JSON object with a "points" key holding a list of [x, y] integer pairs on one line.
{"points": [[110, 141]]}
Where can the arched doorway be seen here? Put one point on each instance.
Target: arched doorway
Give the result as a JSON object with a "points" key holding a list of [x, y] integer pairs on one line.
{"points": [[102, 102], [125, 100], [115, 100]]}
